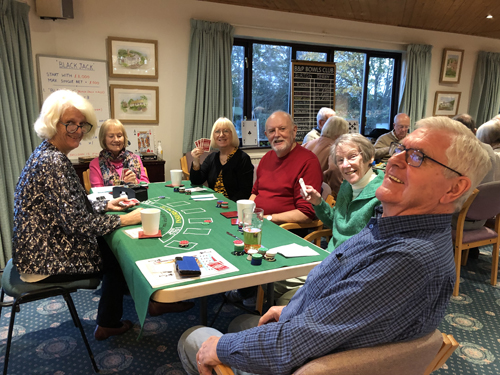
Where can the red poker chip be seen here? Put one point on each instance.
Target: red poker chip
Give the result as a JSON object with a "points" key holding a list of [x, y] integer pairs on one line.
{"points": [[237, 242], [207, 221], [183, 243]]}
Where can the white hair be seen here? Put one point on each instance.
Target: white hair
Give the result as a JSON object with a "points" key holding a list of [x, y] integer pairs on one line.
{"points": [[323, 114], [334, 127], [53, 108], [489, 132], [465, 154]]}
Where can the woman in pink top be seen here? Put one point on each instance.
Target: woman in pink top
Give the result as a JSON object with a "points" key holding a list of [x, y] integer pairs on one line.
{"points": [[115, 165]]}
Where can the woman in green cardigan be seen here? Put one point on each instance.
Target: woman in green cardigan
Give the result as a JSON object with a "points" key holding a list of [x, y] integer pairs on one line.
{"points": [[356, 201]]}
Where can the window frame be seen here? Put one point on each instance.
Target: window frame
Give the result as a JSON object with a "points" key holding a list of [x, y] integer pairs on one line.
{"points": [[330, 52]]}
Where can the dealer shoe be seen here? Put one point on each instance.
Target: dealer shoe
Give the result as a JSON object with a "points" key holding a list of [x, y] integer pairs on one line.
{"points": [[102, 333], [158, 308]]}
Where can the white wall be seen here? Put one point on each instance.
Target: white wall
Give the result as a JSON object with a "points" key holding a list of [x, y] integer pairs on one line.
{"points": [[168, 22]]}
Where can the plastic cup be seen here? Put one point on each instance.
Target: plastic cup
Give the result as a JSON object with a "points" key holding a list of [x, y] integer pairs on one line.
{"points": [[150, 218], [252, 228], [176, 177]]}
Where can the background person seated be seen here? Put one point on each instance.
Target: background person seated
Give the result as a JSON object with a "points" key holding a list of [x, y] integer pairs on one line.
{"points": [[107, 169], [356, 201], [401, 127], [489, 133], [321, 147], [228, 171], [390, 283], [323, 115]]}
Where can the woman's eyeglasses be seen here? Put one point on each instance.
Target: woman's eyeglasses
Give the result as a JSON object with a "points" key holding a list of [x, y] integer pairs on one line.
{"points": [[71, 127], [414, 157], [223, 131]]}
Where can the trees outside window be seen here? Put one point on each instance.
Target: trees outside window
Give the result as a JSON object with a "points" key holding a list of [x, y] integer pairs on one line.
{"points": [[367, 82]]}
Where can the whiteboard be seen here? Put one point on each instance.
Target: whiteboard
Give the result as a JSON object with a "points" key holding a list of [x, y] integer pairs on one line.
{"points": [[89, 78]]}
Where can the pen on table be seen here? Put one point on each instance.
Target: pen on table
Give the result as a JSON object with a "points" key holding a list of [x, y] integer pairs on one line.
{"points": [[232, 235]]}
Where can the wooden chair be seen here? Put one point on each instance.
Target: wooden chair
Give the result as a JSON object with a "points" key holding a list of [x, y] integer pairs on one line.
{"points": [[315, 237], [416, 357], [145, 171], [86, 180], [483, 204], [185, 168]]}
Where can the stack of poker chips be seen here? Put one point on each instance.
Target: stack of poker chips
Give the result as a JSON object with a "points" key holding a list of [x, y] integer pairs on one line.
{"points": [[256, 260], [270, 255], [183, 243], [188, 192], [239, 247], [219, 203], [262, 251], [207, 222], [224, 205], [250, 253], [176, 189], [182, 189]]}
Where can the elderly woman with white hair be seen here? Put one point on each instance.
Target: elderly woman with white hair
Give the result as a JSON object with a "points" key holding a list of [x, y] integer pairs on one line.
{"points": [[489, 133], [57, 231], [228, 171]]}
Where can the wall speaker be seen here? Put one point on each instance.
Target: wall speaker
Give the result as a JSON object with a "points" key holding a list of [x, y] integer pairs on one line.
{"points": [[54, 9]]}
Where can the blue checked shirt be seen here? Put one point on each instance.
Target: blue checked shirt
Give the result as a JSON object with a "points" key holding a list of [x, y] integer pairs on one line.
{"points": [[391, 282]]}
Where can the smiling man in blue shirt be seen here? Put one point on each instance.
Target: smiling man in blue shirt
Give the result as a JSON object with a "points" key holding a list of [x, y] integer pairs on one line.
{"points": [[391, 282]]}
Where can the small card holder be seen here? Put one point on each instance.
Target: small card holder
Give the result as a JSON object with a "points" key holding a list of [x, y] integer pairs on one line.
{"points": [[187, 266], [229, 214]]}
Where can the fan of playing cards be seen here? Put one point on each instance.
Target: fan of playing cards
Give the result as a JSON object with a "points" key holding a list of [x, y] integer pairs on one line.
{"points": [[203, 143]]}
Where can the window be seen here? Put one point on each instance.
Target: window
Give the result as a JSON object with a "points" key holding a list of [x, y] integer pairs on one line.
{"points": [[367, 86]]}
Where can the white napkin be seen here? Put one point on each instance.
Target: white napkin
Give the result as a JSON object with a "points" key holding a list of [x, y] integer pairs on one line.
{"points": [[295, 250]]}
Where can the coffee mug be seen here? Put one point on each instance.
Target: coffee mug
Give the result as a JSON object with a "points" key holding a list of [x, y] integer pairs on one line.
{"points": [[176, 177], [243, 204]]}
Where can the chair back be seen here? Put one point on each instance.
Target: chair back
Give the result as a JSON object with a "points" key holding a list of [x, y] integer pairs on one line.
{"points": [[487, 203], [409, 358], [326, 190], [86, 180]]}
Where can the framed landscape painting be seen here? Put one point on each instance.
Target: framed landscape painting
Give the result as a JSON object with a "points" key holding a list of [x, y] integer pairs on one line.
{"points": [[451, 66], [446, 103], [135, 104], [132, 58]]}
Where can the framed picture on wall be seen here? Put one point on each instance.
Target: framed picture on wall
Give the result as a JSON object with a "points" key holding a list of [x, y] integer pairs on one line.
{"points": [[446, 103], [135, 104], [451, 66], [132, 58]]}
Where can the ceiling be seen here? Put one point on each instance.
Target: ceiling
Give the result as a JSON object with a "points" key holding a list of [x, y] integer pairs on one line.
{"points": [[454, 16]]}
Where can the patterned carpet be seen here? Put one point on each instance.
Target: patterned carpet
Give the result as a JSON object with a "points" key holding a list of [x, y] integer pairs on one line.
{"points": [[46, 341]]}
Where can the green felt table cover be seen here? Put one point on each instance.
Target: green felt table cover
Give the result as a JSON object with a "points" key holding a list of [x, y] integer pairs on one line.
{"points": [[128, 250]]}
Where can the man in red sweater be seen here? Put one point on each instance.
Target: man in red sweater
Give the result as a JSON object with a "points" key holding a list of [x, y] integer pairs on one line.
{"points": [[277, 188]]}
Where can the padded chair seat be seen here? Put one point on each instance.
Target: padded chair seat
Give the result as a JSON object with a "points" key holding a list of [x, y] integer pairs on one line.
{"points": [[474, 235], [14, 286]]}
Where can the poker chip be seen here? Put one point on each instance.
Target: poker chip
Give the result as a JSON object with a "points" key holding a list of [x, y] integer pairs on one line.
{"points": [[183, 243], [176, 189], [207, 221], [239, 245], [238, 253], [256, 260]]}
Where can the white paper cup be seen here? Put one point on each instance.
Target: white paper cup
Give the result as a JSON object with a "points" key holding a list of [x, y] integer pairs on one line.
{"points": [[176, 177], [243, 204], [150, 221]]}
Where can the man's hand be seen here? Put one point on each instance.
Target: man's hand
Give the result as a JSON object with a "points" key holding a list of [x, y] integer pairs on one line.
{"points": [[272, 315], [206, 357]]}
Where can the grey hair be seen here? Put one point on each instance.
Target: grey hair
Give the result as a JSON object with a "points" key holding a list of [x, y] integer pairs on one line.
{"points": [[53, 108], [334, 127], [323, 113], [465, 154], [489, 132], [364, 146], [224, 123], [288, 117]]}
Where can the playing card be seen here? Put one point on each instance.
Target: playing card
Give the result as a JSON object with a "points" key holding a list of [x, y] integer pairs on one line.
{"points": [[205, 144]]}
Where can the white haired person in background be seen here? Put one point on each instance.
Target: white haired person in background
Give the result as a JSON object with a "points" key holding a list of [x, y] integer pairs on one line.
{"points": [[57, 231], [323, 115], [228, 171], [321, 147], [489, 133]]}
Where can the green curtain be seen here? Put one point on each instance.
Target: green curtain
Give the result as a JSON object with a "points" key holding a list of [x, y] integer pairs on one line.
{"points": [[18, 110], [416, 85], [209, 86], [485, 96]]}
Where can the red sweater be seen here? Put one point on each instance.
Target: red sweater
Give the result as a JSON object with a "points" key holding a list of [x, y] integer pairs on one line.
{"points": [[277, 187]]}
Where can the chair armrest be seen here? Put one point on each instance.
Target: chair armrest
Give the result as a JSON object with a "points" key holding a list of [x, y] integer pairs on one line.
{"points": [[223, 370]]}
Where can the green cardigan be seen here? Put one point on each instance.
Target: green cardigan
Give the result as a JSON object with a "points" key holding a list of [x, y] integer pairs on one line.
{"points": [[349, 216]]}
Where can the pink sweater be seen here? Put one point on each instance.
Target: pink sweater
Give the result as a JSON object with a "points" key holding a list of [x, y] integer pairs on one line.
{"points": [[96, 175]]}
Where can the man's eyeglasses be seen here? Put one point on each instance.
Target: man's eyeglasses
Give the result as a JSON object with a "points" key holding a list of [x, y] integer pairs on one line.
{"points": [[71, 127], [414, 157], [223, 131]]}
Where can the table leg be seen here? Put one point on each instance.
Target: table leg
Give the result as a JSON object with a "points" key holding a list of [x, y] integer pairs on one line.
{"points": [[270, 297], [203, 311]]}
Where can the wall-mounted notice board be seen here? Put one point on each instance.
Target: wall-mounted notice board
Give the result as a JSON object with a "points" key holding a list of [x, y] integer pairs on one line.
{"points": [[313, 87], [89, 78]]}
